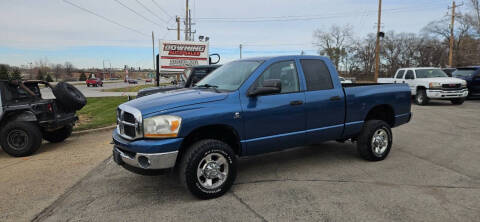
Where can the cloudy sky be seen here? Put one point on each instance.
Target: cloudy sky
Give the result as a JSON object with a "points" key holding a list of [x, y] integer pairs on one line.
{"points": [[59, 31]]}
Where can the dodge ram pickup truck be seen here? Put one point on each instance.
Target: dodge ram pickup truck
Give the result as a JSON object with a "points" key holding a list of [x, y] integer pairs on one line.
{"points": [[249, 107], [429, 83]]}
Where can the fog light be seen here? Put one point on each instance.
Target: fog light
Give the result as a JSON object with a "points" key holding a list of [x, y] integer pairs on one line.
{"points": [[143, 161]]}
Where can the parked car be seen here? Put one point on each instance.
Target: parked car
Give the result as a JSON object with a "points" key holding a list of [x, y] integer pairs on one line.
{"points": [[94, 82], [26, 118], [192, 74], [148, 80], [449, 71], [249, 107], [470, 74], [345, 81], [430, 83], [132, 81]]}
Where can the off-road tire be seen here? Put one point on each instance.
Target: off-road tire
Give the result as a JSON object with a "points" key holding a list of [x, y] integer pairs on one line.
{"points": [[364, 143], [69, 97], [59, 135], [30, 130], [421, 97], [190, 161], [459, 101]]}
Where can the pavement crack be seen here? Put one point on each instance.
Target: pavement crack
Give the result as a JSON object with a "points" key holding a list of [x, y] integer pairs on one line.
{"points": [[248, 206], [358, 181], [48, 211], [436, 164]]}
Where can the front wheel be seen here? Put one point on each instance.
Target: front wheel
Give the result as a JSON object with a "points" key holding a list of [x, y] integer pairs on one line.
{"points": [[421, 97], [20, 138], [458, 101], [208, 168], [375, 140]]}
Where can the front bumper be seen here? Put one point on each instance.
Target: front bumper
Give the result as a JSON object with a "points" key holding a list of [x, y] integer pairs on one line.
{"points": [[145, 161], [146, 154], [446, 94]]}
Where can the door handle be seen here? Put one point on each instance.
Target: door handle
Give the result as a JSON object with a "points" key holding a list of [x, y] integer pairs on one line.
{"points": [[335, 98], [296, 102]]}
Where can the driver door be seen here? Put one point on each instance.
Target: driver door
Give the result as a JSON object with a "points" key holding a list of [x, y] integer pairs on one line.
{"points": [[276, 121]]}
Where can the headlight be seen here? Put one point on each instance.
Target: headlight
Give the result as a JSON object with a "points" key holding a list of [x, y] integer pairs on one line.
{"points": [[464, 83], [161, 126], [435, 85]]}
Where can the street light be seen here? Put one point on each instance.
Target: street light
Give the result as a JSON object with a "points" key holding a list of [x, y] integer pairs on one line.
{"points": [[200, 38], [207, 38]]}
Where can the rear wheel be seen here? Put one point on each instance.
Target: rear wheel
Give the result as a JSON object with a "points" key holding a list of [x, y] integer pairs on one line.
{"points": [[208, 168], [375, 140], [458, 101], [58, 135], [20, 138], [421, 97]]}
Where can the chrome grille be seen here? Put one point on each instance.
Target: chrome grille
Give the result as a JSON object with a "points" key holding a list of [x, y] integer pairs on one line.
{"points": [[129, 122]]}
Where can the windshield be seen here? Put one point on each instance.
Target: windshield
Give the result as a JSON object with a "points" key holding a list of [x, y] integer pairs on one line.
{"points": [[463, 72], [230, 76], [430, 73]]}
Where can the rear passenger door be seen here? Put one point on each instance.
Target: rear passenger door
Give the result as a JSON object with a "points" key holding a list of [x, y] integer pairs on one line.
{"points": [[325, 102], [410, 80], [399, 76]]}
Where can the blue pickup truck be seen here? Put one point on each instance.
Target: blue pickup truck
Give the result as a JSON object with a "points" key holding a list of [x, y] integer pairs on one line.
{"points": [[254, 106]]}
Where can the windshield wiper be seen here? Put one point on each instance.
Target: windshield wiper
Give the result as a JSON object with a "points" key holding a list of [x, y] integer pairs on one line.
{"points": [[214, 87]]}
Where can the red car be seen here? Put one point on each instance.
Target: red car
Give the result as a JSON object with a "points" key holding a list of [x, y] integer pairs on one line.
{"points": [[94, 82], [148, 80]]}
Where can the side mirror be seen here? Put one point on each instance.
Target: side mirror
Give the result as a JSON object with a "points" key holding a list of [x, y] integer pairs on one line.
{"points": [[269, 86]]}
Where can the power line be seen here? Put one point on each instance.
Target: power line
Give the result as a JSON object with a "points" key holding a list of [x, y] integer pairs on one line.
{"points": [[151, 12], [138, 13], [306, 17], [163, 10], [105, 18]]}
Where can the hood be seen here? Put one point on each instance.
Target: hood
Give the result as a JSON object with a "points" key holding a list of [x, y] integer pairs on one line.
{"points": [[443, 80], [173, 99]]}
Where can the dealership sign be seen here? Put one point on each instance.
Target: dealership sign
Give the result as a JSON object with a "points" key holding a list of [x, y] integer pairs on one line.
{"points": [[175, 56]]}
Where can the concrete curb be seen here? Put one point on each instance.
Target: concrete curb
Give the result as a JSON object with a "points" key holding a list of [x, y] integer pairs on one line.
{"points": [[83, 132]]}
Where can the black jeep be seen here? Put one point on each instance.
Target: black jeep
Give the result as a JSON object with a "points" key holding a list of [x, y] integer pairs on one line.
{"points": [[26, 118]]}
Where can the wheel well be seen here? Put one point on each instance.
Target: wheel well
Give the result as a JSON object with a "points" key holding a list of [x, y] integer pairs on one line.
{"points": [[219, 132], [382, 112]]}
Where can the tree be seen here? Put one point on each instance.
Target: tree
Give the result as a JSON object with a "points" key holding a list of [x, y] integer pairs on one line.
{"points": [[16, 74], [334, 43], [40, 74], [49, 78], [4, 72], [69, 69], [83, 77], [57, 71]]}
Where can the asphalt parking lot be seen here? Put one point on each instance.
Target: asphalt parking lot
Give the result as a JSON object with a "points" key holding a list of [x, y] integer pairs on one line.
{"points": [[431, 174]]}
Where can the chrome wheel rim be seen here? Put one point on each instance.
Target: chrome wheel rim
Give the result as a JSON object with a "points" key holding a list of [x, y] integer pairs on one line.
{"points": [[380, 142], [17, 139], [212, 171]]}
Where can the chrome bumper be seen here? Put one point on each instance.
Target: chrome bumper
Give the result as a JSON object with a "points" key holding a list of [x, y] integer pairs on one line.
{"points": [[148, 161]]}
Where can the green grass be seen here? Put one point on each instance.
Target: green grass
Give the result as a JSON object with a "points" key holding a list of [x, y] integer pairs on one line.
{"points": [[99, 112], [133, 88]]}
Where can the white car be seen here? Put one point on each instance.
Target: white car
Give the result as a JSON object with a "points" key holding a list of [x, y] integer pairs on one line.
{"points": [[430, 83], [343, 80]]}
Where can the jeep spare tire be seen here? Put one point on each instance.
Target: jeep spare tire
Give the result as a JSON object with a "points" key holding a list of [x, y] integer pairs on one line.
{"points": [[69, 97]]}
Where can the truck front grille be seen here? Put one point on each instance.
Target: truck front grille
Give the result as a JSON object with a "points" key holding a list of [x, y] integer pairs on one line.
{"points": [[129, 122], [452, 86]]}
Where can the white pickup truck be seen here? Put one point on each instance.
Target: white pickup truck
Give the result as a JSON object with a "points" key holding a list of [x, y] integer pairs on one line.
{"points": [[428, 83]]}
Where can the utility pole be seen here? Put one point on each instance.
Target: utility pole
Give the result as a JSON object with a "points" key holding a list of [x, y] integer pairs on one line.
{"points": [[186, 22], [452, 35], [240, 51], [177, 19], [153, 50], [377, 47], [178, 27]]}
